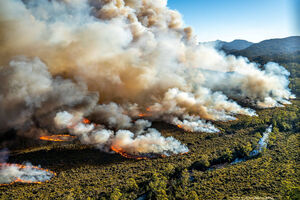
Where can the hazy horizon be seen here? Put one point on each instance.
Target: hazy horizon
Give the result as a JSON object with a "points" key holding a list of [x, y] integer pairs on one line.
{"points": [[249, 40]]}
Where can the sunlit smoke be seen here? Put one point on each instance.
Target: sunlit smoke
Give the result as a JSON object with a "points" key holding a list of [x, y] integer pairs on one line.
{"points": [[115, 62], [140, 141]]}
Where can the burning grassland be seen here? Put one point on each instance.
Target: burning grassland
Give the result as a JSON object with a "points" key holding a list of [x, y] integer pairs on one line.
{"points": [[16, 173], [58, 138], [140, 140], [137, 157]]}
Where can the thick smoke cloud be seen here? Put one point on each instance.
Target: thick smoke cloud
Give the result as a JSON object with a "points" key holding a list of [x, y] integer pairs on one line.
{"points": [[115, 61], [29, 92], [144, 140]]}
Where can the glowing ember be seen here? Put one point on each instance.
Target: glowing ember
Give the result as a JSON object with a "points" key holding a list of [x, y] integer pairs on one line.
{"points": [[179, 126], [58, 138], [126, 155], [143, 115], [16, 173], [86, 121], [184, 153], [146, 114]]}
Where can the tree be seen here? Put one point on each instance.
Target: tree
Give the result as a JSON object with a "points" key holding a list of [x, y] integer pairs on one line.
{"points": [[158, 186], [193, 195], [185, 177], [291, 192], [227, 155], [169, 168], [131, 184], [116, 194], [244, 150], [202, 163]]}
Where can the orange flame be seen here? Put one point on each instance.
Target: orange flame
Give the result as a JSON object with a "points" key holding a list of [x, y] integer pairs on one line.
{"points": [[86, 121], [58, 138], [18, 180], [126, 155], [184, 153], [179, 126], [146, 114], [143, 115]]}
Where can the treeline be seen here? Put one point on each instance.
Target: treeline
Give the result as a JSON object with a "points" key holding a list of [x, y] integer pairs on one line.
{"points": [[283, 58]]}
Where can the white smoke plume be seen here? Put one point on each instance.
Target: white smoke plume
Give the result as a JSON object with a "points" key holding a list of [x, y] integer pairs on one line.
{"points": [[114, 61], [10, 173], [145, 140], [27, 173], [190, 123]]}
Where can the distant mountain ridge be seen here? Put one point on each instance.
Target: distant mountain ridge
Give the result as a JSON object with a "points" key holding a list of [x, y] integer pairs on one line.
{"points": [[289, 45], [278, 46], [230, 46], [235, 45]]}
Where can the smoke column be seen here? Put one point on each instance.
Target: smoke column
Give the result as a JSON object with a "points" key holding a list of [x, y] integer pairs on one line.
{"points": [[115, 61]]}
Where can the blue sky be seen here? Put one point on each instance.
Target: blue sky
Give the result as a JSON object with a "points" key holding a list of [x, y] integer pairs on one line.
{"points": [[253, 20]]}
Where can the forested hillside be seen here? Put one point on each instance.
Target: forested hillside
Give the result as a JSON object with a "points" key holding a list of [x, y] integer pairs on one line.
{"points": [[205, 172], [273, 47]]}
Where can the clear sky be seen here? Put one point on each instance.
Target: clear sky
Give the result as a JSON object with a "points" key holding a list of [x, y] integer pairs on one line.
{"points": [[253, 20]]}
